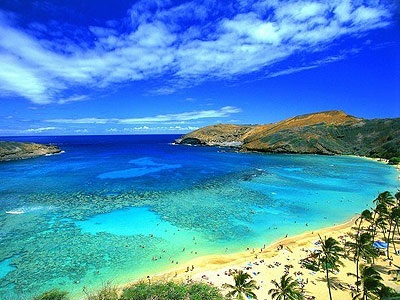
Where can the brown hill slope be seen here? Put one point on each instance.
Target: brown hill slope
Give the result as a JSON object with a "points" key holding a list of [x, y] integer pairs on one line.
{"points": [[335, 117], [331, 132]]}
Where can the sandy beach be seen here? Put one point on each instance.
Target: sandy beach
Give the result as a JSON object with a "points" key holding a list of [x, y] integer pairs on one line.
{"points": [[270, 262]]}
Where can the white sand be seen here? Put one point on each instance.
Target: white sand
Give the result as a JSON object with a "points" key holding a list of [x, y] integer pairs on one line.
{"points": [[266, 264]]}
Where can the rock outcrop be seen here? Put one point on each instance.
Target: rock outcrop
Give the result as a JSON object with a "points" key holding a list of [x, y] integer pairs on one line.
{"points": [[17, 150], [331, 132]]}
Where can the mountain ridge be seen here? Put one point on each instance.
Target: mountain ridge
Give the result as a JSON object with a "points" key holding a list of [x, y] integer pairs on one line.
{"points": [[329, 132]]}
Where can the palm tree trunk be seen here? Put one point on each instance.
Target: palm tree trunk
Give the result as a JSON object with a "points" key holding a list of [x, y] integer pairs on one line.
{"points": [[359, 225], [328, 282], [357, 275], [357, 254], [393, 243], [373, 224], [388, 239], [384, 232]]}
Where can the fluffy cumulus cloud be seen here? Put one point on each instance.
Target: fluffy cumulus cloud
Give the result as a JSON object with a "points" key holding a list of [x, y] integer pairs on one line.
{"points": [[184, 44]]}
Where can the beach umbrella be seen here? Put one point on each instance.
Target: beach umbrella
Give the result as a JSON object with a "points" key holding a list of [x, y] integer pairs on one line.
{"points": [[380, 245]]}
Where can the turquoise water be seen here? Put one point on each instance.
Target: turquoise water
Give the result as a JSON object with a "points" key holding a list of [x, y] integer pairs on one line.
{"points": [[123, 207]]}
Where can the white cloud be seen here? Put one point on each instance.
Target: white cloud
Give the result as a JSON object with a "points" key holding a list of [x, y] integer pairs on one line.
{"points": [[291, 70], [74, 98], [16, 78], [82, 131], [301, 10], [343, 11], [138, 128], [185, 116], [157, 129], [40, 130], [81, 121], [184, 43], [368, 16]]}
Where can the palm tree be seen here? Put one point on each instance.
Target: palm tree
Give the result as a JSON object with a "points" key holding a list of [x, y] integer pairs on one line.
{"points": [[380, 221], [396, 227], [286, 289], [329, 258], [371, 283], [397, 196], [393, 218], [386, 292], [241, 287], [362, 247], [366, 215], [383, 203], [385, 198]]}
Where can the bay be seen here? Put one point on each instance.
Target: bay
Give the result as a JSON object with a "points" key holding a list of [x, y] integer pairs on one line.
{"points": [[120, 208]]}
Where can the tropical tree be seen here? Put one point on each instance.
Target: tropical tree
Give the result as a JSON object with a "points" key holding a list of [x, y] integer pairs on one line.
{"points": [[387, 214], [383, 203], [386, 292], [286, 289], [366, 215], [371, 282], [362, 247], [385, 198], [244, 286], [382, 224], [329, 258], [393, 219], [397, 196]]}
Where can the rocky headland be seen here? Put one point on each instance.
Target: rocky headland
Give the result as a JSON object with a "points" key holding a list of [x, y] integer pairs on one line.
{"points": [[18, 150], [330, 133]]}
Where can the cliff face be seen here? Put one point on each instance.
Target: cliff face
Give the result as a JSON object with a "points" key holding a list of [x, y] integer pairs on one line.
{"points": [[18, 150], [217, 135], [332, 132]]}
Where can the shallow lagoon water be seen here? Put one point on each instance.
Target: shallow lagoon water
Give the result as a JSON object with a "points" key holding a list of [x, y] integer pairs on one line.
{"points": [[123, 207]]}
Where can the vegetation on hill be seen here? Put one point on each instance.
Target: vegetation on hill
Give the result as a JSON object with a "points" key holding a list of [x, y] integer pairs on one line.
{"points": [[332, 132], [146, 291], [18, 150]]}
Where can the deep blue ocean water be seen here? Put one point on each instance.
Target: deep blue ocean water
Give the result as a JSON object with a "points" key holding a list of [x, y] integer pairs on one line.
{"points": [[120, 208]]}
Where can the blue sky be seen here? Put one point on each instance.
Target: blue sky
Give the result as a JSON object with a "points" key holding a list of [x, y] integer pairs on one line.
{"points": [[139, 67]]}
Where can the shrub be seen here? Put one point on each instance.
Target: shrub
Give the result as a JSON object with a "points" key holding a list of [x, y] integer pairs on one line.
{"points": [[171, 291], [53, 294], [201, 291], [394, 161], [107, 292]]}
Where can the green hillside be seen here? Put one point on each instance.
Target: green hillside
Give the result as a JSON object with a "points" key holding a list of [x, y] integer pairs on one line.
{"points": [[18, 150], [332, 132]]}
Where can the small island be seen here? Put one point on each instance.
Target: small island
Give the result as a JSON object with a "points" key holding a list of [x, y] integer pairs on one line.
{"points": [[19, 150]]}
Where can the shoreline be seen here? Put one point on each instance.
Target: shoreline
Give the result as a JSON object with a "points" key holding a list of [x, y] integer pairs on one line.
{"points": [[216, 269], [270, 262], [218, 261], [212, 268]]}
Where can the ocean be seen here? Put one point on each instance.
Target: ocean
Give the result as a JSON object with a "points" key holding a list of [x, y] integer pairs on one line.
{"points": [[120, 208]]}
